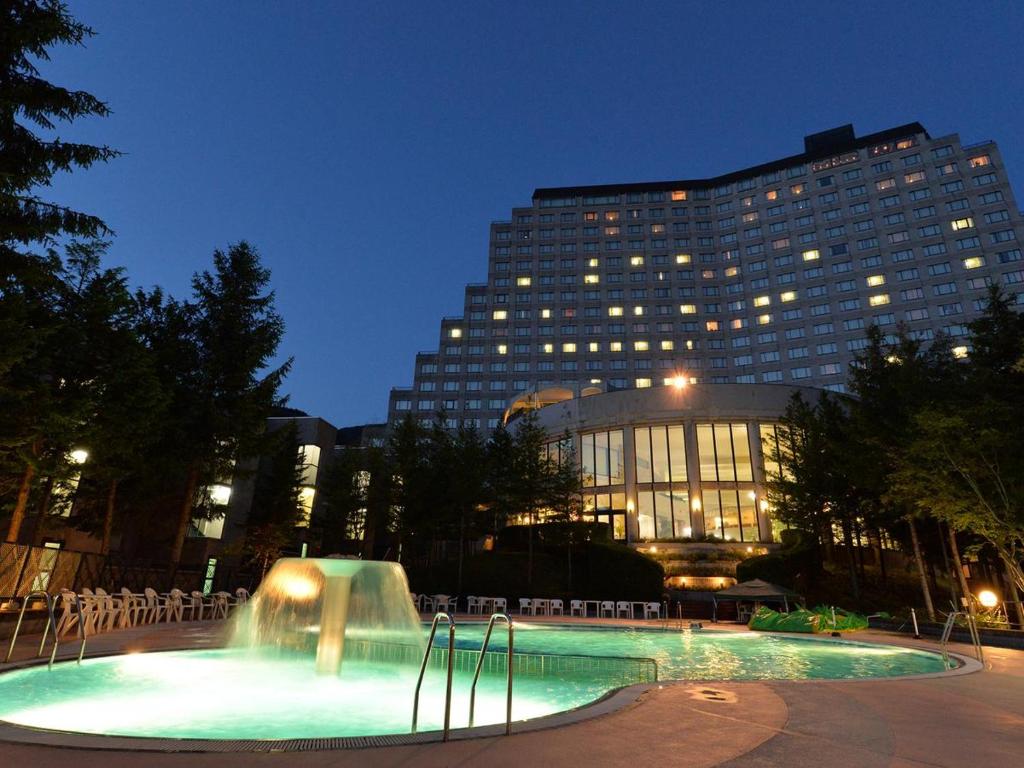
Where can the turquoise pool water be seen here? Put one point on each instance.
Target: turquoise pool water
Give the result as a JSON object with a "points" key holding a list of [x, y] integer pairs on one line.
{"points": [[710, 655], [236, 694]]}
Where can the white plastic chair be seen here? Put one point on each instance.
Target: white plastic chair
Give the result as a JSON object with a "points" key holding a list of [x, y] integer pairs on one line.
{"points": [[472, 604], [442, 603], [175, 609], [131, 605], [94, 611], [200, 604], [500, 605], [241, 596], [219, 609], [109, 610], [69, 616], [526, 607], [556, 608], [607, 609], [624, 608], [155, 608], [576, 608], [652, 610]]}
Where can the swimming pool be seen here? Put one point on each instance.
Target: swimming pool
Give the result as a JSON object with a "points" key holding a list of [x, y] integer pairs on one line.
{"points": [[238, 694]]}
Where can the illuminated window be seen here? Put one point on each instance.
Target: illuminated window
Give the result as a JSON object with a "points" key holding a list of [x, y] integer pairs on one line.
{"points": [[960, 352], [879, 299], [732, 271], [500, 314], [762, 301], [641, 346], [612, 230], [688, 309], [591, 279], [501, 349], [548, 348], [611, 215], [615, 311], [679, 194], [593, 262], [885, 184], [974, 262], [764, 319], [874, 280], [913, 178], [615, 346], [682, 258], [636, 261], [638, 311], [811, 255], [643, 383], [594, 346], [979, 161], [771, 194], [668, 345], [711, 325], [523, 281], [788, 296], [545, 314], [738, 323], [307, 496], [590, 216], [798, 189], [964, 223], [455, 333], [569, 346]]}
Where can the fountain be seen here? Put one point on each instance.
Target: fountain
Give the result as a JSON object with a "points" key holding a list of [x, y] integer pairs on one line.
{"points": [[333, 609]]}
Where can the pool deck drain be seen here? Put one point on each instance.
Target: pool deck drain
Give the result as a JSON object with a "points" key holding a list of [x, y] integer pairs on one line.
{"points": [[891, 722]]}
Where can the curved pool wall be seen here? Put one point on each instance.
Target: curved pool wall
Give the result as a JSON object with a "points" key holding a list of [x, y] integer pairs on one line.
{"points": [[241, 694]]}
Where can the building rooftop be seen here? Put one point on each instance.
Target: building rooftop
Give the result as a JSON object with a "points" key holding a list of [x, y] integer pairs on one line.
{"points": [[816, 145]]}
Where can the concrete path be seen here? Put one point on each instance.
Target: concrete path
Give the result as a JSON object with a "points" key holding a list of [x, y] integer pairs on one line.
{"points": [[965, 720]]}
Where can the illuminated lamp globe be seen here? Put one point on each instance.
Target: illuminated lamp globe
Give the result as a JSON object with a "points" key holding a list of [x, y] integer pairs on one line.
{"points": [[79, 456], [988, 598], [678, 382]]}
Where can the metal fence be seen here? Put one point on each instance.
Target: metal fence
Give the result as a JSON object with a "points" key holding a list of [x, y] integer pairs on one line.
{"points": [[25, 569]]}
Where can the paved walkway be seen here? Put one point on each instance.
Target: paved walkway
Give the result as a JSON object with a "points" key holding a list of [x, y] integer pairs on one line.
{"points": [[964, 720]]}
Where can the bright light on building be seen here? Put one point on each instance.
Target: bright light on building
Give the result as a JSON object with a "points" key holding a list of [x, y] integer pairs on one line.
{"points": [[678, 382], [988, 598], [220, 494]]}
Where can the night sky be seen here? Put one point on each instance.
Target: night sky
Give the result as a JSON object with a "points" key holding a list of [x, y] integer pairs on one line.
{"points": [[364, 148]]}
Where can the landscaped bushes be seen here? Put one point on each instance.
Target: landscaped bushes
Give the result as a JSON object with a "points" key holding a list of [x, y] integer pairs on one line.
{"points": [[787, 566], [601, 570]]}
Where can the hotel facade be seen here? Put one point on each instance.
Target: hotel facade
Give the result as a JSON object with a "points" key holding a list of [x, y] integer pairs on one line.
{"points": [[764, 279]]}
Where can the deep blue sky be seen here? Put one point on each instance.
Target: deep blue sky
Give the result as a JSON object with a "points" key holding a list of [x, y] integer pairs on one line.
{"points": [[364, 148]]}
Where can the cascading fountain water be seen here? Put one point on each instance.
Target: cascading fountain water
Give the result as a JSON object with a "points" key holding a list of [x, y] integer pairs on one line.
{"points": [[332, 609]]}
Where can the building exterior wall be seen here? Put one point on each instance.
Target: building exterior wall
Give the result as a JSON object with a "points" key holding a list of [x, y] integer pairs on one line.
{"points": [[650, 498], [766, 275]]}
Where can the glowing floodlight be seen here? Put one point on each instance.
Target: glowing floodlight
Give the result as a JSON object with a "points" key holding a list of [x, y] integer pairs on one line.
{"points": [[988, 598]]}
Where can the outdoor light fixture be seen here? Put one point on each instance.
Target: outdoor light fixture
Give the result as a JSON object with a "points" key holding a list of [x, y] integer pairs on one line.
{"points": [[653, 549], [696, 503], [79, 456], [988, 598], [679, 382]]}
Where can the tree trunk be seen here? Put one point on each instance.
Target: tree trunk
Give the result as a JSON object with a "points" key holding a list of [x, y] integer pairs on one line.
{"points": [[957, 564], [926, 593], [44, 498], [184, 516], [851, 557], [953, 582], [529, 550], [881, 559], [18, 516], [1014, 595], [108, 517], [462, 546]]}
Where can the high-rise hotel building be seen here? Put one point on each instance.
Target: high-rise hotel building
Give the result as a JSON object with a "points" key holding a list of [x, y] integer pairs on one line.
{"points": [[767, 275]]}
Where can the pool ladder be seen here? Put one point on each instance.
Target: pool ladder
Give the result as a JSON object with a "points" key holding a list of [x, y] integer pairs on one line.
{"points": [[51, 624], [972, 628], [476, 675]]}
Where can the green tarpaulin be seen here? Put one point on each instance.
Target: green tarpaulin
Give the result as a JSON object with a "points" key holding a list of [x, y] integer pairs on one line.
{"points": [[809, 622]]}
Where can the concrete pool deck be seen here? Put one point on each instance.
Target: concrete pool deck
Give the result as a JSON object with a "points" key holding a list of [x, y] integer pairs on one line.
{"points": [[946, 720]]}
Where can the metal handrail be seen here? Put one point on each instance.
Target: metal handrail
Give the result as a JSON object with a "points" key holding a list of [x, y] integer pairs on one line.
{"points": [[423, 668], [50, 623], [972, 630], [480, 663]]}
